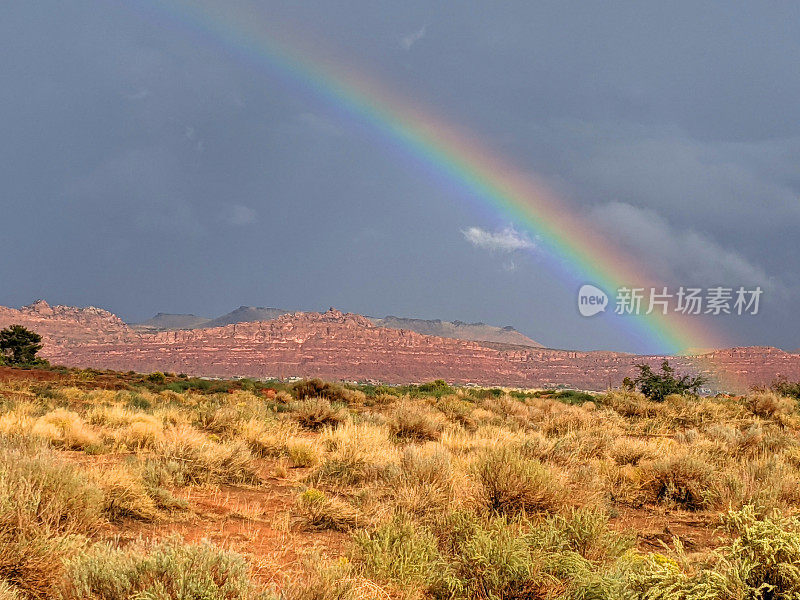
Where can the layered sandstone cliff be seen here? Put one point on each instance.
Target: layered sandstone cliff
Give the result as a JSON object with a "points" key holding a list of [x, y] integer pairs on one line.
{"points": [[337, 346]]}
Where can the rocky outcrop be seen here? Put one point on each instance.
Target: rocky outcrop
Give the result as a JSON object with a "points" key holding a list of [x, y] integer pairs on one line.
{"points": [[247, 314], [335, 345], [67, 325]]}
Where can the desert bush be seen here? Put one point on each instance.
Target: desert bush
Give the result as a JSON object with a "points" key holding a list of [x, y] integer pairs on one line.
{"points": [[575, 397], [125, 494], [764, 555], [491, 560], [321, 580], [785, 387], [168, 570], [657, 386], [413, 422], [435, 388], [320, 511], [770, 404], [187, 457], [399, 552], [217, 416], [762, 562], [133, 429], [629, 451], [17, 422], [315, 413], [268, 438], [512, 484], [766, 483], [583, 531], [65, 428], [144, 432], [682, 479], [629, 403], [425, 484], [156, 377], [457, 411], [302, 453], [357, 454], [45, 508], [316, 388], [39, 493]]}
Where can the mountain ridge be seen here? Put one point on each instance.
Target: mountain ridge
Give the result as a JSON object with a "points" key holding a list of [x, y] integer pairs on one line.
{"points": [[343, 346], [461, 330]]}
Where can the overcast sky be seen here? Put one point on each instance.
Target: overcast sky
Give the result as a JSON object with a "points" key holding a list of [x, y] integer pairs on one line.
{"points": [[146, 168]]}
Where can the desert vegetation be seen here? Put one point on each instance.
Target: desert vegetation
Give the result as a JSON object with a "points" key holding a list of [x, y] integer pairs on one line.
{"points": [[127, 486]]}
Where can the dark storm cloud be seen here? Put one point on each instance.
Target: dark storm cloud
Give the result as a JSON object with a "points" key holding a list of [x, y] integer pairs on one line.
{"points": [[146, 169]]}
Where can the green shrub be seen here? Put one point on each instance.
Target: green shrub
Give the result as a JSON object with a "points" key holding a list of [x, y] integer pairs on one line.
{"points": [[583, 531], [156, 377], [764, 557], [491, 561], [400, 552], [168, 570], [657, 386], [435, 388]]}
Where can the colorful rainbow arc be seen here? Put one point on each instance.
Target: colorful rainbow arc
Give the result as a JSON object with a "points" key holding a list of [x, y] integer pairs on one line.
{"points": [[584, 255]]}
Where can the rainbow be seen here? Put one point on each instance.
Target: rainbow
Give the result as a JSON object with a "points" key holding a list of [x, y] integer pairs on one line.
{"points": [[579, 254]]}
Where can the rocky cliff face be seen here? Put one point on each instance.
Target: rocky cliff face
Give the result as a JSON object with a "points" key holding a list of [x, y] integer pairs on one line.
{"points": [[245, 314], [68, 325], [334, 345]]}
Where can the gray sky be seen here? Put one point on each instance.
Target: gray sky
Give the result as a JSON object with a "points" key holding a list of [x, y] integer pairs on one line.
{"points": [[146, 168]]}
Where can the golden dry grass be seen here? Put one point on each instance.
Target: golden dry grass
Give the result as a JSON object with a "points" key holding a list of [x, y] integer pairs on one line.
{"points": [[423, 485]]}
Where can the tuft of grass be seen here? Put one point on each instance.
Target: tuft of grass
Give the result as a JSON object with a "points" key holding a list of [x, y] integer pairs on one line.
{"points": [[770, 405], [412, 422], [682, 479], [490, 560], [45, 509], [512, 484], [399, 552], [302, 453], [67, 429], [316, 413], [357, 454], [188, 457], [320, 511], [125, 494]]}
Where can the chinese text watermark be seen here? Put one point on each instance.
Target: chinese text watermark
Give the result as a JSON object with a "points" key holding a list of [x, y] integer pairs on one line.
{"points": [[716, 300]]}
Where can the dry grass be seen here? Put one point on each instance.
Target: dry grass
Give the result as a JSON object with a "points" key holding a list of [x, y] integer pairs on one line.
{"points": [[511, 484], [67, 429], [414, 422], [315, 413], [465, 495], [187, 456]]}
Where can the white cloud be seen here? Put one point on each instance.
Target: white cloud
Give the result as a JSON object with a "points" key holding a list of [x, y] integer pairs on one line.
{"points": [[412, 38], [239, 214], [505, 240]]}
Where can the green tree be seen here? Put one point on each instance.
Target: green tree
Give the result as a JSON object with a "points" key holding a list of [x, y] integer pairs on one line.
{"points": [[19, 345], [657, 386]]}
